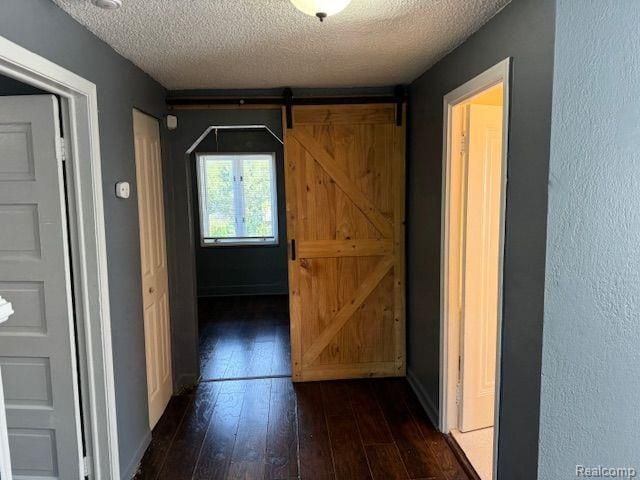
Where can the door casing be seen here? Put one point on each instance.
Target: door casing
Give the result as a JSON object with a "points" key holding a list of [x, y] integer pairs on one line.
{"points": [[88, 246], [449, 338]]}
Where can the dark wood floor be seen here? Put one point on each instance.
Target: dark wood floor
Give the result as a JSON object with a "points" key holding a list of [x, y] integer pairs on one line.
{"points": [[271, 429], [244, 337]]}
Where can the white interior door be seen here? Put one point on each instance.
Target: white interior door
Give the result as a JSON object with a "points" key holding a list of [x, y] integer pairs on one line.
{"points": [[155, 291], [481, 260], [37, 344]]}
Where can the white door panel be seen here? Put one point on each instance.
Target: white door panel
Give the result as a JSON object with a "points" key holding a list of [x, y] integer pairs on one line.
{"points": [[153, 264], [481, 254]]}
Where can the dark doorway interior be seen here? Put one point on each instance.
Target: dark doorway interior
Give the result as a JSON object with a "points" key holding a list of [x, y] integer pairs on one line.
{"points": [[244, 337]]}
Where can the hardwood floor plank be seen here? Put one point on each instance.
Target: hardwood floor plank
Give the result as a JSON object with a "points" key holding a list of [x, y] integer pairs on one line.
{"points": [[418, 458], [446, 458], [271, 429], [182, 456], [349, 456], [261, 359], [316, 462], [385, 462], [282, 440], [162, 437], [217, 447], [335, 398], [246, 337], [281, 362], [371, 422], [248, 458]]}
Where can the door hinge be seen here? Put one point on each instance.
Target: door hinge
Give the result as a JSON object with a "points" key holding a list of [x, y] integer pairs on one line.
{"points": [[463, 143], [62, 149], [458, 393], [86, 465]]}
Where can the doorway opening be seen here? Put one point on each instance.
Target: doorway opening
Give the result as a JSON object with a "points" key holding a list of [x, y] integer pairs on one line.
{"points": [[474, 184], [57, 357], [241, 254]]}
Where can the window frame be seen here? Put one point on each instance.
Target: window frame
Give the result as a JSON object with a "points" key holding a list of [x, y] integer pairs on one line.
{"points": [[239, 200]]}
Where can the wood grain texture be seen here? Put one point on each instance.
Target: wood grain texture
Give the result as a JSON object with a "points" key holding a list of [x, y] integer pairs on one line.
{"points": [[294, 169], [316, 459], [164, 433], [369, 416], [337, 174], [344, 248], [273, 429], [345, 196], [349, 457], [385, 462], [244, 337], [343, 114], [419, 459], [347, 311], [182, 457]]}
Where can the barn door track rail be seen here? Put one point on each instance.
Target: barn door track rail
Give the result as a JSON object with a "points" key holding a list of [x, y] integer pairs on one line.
{"points": [[287, 100]]}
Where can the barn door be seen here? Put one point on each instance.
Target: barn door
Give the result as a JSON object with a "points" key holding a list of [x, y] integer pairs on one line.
{"points": [[345, 218], [153, 260]]}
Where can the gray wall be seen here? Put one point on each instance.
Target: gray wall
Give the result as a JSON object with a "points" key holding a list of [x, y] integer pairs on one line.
{"points": [[43, 28], [182, 236], [524, 30], [242, 270], [591, 358]]}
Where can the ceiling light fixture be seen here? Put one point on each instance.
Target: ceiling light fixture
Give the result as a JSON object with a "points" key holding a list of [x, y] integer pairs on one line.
{"points": [[107, 4], [321, 8]]}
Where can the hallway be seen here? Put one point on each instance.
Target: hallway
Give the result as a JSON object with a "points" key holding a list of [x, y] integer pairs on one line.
{"points": [[272, 429], [234, 425]]}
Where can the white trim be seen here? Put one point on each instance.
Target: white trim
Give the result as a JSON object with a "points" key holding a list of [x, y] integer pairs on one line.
{"points": [[88, 244], [230, 127], [237, 160], [6, 311], [499, 73]]}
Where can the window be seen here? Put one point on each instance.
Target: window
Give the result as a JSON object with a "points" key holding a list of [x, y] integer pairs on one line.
{"points": [[238, 203]]}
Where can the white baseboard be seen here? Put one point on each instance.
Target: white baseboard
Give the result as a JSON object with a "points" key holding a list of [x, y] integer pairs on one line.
{"points": [[423, 398]]}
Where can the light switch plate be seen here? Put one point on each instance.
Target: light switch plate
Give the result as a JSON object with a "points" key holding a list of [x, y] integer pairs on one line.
{"points": [[123, 190]]}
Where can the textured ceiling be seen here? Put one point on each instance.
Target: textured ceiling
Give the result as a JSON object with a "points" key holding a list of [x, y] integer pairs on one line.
{"points": [[188, 44]]}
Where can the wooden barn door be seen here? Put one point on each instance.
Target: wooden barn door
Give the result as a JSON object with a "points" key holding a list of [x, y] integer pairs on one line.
{"points": [[345, 178]]}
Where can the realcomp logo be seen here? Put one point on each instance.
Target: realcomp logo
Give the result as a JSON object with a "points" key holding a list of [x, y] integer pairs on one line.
{"points": [[601, 471]]}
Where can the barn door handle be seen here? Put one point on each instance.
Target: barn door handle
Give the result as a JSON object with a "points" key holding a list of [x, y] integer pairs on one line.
{"points": [[293, 249]]}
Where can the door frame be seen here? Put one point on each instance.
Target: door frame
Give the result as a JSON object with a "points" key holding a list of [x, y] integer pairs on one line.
{"points": [[449, 343], [88, 246]]}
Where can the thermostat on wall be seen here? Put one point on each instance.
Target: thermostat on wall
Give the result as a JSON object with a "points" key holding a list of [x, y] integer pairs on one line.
{"points": [[123, 190]]}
